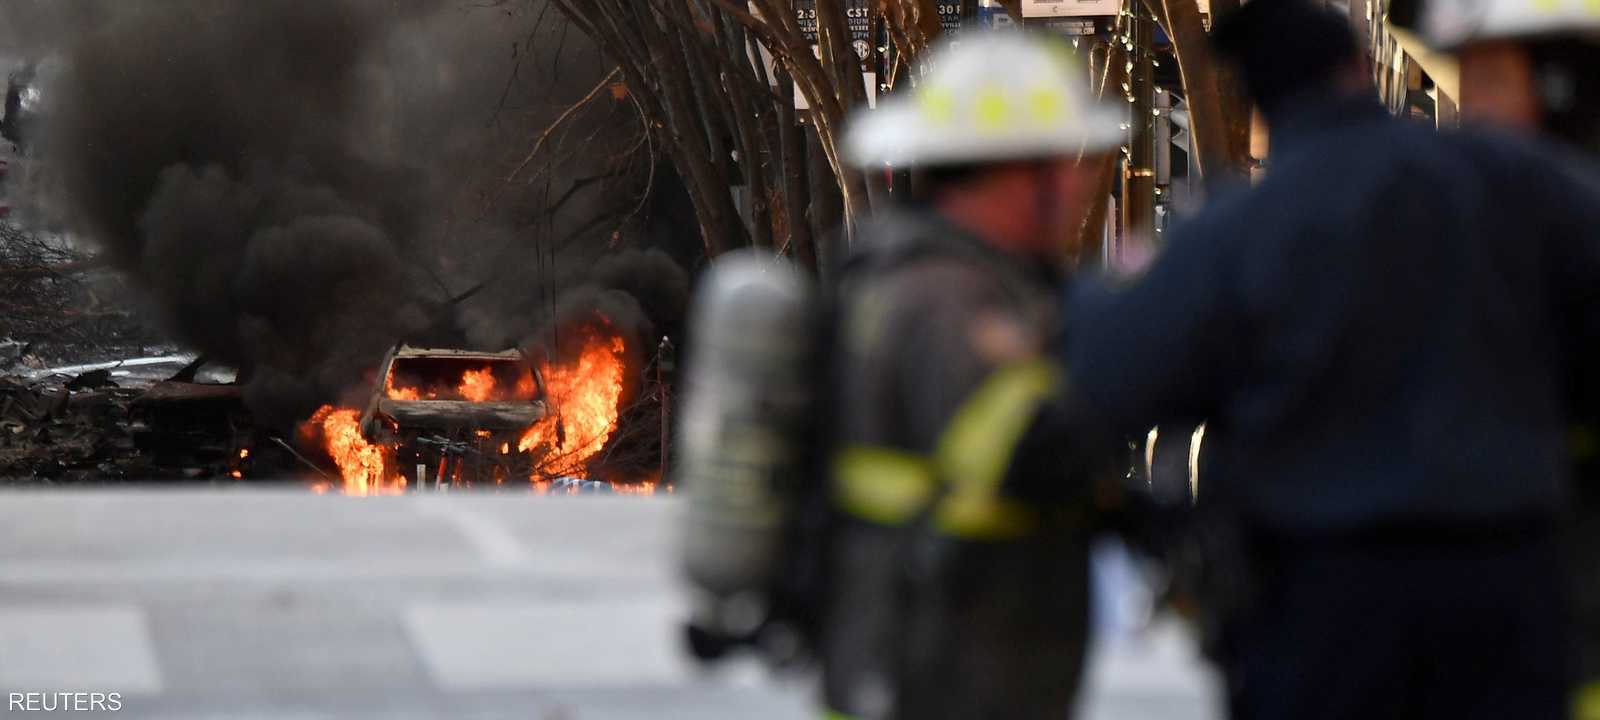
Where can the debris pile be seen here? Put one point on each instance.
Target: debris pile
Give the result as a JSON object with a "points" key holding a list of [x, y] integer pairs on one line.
{"points": [[50, 433], [86, 429]]}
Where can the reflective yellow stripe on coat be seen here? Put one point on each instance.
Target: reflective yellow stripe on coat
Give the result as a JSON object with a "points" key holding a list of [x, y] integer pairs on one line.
{"points": [[894, 487], [1586, 704]]}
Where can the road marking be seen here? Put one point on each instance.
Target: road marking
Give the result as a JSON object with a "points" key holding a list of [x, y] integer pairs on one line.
{"points": [[601, 643], [88, 648], [494, 543]]}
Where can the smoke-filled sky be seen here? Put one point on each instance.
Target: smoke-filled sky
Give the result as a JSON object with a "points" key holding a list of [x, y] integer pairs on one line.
{"points": [[299, 184]]}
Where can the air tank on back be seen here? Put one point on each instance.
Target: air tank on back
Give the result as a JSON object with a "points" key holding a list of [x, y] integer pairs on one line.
{"points": [[740, 439]]}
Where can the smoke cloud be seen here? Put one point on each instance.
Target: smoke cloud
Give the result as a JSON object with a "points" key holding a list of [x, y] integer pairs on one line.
{"points": [[299, 185]]}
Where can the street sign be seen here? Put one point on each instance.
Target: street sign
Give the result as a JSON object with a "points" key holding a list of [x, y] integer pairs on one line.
{"points": [[1069, 26], [857, 15], [861, 18], [952, 13], [994, 18], [1069, 8]]}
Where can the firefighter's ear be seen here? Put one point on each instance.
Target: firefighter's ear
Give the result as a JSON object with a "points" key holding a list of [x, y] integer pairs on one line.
{"points": [[1000, 339]]}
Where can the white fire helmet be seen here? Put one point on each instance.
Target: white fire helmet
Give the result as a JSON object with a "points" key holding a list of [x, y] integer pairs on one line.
{"points": [[992, 97], [1449, 24]]}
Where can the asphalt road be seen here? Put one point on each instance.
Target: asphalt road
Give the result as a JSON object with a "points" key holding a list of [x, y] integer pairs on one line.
{"points": [[283, 604]]}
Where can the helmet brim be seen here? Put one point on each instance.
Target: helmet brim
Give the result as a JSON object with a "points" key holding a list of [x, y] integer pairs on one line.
{"points": [[899, 135]]}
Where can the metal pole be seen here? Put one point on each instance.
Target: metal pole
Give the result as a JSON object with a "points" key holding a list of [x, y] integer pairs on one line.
{"points": [[664, 368], [1138, 183]]}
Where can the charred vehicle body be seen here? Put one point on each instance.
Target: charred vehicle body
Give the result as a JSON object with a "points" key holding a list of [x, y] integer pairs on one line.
{"points": [[454, 417]]}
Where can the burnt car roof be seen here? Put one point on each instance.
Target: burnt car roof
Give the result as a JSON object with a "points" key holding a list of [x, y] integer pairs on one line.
{"points": [[406, 351]]}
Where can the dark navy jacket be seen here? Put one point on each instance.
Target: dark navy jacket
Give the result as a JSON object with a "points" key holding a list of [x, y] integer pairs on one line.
{"points": [[1376, 333]]}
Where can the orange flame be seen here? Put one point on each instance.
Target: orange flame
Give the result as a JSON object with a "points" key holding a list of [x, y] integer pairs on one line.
{"points": [[527, 389], [640, 488], [404, 393], [477, 385], [361, 464], [583, 396]]}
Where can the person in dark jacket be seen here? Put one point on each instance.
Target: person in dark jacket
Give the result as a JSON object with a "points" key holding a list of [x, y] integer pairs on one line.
{"points": [[1376, 335], [1537, 71]]}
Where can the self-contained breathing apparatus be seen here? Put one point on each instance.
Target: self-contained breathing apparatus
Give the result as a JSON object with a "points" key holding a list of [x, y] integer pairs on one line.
{"points": [[744, 456]]}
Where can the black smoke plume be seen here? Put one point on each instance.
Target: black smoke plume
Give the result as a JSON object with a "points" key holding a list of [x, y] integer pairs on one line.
{"points": [[301, 184]]}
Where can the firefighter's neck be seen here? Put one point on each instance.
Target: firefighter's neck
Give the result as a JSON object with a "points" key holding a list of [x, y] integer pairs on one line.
{"points": [[1003, 208]]}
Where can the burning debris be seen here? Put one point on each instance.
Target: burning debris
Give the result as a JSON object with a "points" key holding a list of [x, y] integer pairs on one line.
{"points": [[363, 466], [452, 418], [586, 396]]}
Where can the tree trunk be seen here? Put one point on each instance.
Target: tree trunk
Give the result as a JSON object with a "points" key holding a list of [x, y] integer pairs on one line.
{"points": [[1211, 129], [796, 193], [1109, 72], [827, 206], [1236, 107], [692, 150]]}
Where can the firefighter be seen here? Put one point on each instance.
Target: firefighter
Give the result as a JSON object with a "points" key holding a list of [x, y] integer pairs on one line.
{"points": [[1375, 334], [1534, 67], [1531, 65], [957, 564]]}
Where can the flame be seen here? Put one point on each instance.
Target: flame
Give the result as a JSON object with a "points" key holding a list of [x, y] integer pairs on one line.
{"points": [[583, 395], [244, 453], [361, 464], [477, 385], [640, 488], [404, 393], [527, 389]]}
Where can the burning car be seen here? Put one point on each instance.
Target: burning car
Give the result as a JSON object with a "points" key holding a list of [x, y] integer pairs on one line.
{"points": [[453, 415], [447, 418]]}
